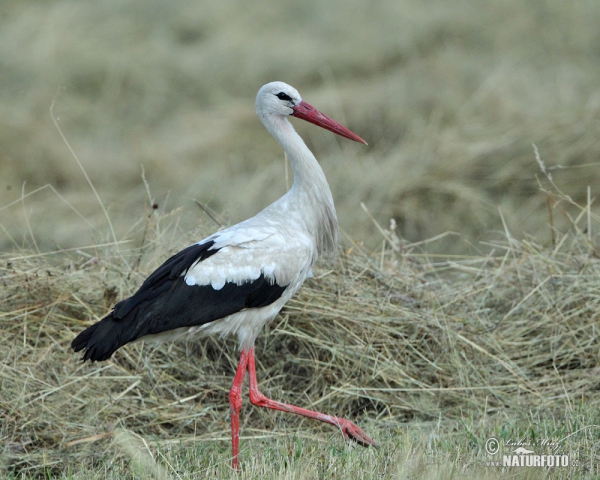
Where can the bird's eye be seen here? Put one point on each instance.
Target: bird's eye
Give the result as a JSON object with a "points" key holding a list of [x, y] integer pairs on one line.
{"points": [[284, 96]]}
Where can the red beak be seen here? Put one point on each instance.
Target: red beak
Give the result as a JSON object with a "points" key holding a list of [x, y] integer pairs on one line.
{"points": [[311, 114]]}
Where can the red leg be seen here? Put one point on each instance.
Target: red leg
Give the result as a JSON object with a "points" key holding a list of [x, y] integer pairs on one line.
{"points": [[348, 429], [235, 402]]}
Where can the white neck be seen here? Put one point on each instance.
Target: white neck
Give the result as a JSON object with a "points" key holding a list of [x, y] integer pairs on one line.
{"points": [[310, 190]]}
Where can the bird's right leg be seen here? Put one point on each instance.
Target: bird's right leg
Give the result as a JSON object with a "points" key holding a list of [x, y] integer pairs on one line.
{"points": [[235, 402], [349, 430]]}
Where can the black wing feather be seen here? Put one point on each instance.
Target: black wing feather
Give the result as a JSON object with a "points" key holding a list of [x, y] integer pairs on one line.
{"points": [[165, 302], [158, 282]]}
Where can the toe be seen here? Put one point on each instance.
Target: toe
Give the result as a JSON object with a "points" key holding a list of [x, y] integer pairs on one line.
{"points": [[354, 433]]}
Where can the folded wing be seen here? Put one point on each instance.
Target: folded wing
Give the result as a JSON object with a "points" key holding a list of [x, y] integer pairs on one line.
{"points": [[171, 299]]}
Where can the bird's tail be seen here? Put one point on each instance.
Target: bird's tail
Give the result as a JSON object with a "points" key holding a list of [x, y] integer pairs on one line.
{"points": [[100, 340]]}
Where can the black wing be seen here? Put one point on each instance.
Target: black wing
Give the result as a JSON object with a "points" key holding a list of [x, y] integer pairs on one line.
{"points": [[165, 302]]}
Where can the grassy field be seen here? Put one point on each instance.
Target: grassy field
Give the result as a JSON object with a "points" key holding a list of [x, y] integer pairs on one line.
{"points": [[432, 357], [463, 305], [450, 96]]}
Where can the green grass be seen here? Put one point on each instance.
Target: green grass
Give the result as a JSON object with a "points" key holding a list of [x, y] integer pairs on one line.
{"points": [[432, 450]]}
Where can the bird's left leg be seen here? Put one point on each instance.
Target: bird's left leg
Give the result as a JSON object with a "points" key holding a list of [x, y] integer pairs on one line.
{"points": [[349, 430], [235, 402]]}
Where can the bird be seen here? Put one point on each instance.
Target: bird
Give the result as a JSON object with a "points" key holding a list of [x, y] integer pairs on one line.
{"points": [[238, 279]]}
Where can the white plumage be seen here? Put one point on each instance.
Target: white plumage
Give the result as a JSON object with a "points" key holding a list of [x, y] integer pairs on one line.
{"points": [[245, 253]]}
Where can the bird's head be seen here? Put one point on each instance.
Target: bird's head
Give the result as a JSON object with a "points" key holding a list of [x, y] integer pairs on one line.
{"points": [[277, 98], [281, 99]]}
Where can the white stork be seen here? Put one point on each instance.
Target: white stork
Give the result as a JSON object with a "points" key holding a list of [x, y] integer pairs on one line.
{"points": [[239, 278]]}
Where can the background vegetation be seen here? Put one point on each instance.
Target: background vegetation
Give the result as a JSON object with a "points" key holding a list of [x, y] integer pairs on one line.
{"points": [[472, 314]]}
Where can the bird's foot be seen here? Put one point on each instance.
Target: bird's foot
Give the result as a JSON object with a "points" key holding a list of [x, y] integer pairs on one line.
{"points": [[354, 433]]}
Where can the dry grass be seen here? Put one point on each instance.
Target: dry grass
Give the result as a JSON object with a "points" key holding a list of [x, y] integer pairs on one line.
{"points": [[384, 338], [450, 97], [431, 345]]}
